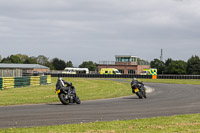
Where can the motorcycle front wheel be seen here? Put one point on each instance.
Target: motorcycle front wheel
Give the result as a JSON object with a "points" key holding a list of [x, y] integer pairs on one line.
{"points": [[63, 99]]}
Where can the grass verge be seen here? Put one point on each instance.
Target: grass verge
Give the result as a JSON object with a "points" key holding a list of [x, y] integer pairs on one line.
{"points": [[177, 124]]}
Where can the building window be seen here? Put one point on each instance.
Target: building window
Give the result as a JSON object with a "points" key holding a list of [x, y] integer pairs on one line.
{"points": [[121, 71], [131, 71]]}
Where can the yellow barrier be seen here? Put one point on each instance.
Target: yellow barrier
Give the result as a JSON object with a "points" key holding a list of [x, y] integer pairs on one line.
{"points": [[48, 79], [35, 80], [8, 82]]}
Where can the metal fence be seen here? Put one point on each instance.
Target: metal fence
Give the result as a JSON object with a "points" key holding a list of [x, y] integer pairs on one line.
{"points": [[124, 76]]}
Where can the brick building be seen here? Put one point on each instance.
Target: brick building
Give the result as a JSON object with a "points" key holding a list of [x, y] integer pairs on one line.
{"points": [[126, 64], [18, 70]]}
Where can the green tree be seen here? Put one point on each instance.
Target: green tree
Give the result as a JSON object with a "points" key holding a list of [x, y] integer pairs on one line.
{"points": [[12, 59], [50, 65], [193, 65], [58, 64], [177, 67], [22, 57], [159, 65], [69, 64], [89, 64], [15, 59], [6, 60], [31, 60], [167, 63], [42, 60]]}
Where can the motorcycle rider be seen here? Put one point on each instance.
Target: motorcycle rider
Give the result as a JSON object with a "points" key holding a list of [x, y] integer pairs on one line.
{"points": [[135, 82], [61, 84]]}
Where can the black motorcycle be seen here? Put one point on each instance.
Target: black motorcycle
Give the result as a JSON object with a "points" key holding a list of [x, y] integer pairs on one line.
{"points": [[139, 89], [67, 95]]}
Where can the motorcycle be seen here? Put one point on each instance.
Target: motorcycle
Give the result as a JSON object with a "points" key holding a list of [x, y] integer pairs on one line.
{"points": [[67, 95], [139, 89]]}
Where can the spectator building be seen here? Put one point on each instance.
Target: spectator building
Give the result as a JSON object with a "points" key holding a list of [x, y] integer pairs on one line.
{"points": [[18, 70], [126, 64]]}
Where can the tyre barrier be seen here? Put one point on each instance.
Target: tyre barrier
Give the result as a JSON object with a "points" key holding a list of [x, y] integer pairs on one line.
{"points": [[125, 76], [99, 75], [15, 82]]}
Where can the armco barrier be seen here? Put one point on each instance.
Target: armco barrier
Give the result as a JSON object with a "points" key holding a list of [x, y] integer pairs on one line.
{"points": [[126, 76], [14, 82]]}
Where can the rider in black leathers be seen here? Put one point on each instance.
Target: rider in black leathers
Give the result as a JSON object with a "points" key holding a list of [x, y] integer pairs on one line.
{"points": [[135, 82], [61, 85]]}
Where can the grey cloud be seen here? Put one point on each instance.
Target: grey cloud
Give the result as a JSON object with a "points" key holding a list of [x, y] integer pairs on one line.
{"points": [[100, 28]]}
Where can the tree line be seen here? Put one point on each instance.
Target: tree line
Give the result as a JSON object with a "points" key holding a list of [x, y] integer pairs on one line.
{"points": [[53, 64], [170, 66]]}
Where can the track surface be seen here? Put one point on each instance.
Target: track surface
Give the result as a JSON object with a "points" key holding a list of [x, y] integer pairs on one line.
{"points": [[166, 100]]}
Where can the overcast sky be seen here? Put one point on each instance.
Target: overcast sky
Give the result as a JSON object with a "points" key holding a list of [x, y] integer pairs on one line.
{"points": [[97, 30]]}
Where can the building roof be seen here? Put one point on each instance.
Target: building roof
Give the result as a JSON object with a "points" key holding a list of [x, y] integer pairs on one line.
{"points": [[22, 66], [125, 56]]}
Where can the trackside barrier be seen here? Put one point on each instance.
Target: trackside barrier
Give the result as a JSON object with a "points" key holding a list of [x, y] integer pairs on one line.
{"points": [[178, 76], [8, 82], [14, 82], [43, 80], [1, 83], [100, 76], [125, 76], [48, 79], [35, 80]]}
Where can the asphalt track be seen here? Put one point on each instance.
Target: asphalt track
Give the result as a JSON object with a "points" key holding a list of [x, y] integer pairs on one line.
{"points": [[166, 100]]}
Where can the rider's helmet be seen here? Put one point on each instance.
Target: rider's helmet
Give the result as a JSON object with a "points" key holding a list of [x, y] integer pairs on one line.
{"points": [[60, 78]]}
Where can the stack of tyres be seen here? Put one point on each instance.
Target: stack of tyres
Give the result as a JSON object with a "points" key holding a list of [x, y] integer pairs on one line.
{"points": [[1, 84], [35, 80], [19, 82], [43, 80], [8, 82], [48, 79], [27, 81]]}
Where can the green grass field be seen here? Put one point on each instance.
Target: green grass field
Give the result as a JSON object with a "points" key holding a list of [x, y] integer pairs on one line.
{"points": [[172, 124]]}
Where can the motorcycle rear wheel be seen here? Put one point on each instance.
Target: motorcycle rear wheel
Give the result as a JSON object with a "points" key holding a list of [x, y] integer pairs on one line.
{"points": [[63, 99], [144, 94], [139, 94], [78, 101]]}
